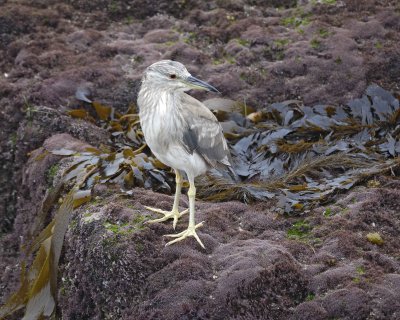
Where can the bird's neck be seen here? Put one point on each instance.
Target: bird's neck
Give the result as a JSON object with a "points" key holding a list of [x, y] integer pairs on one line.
{"points": [[159, 113], [163, 100]]}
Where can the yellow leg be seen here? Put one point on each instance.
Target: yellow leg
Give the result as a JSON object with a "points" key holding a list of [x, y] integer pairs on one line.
{"points": [[191, 230], [174, 213]]}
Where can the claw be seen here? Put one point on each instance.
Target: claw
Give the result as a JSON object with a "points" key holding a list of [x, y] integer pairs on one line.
{"points": [[189, 232]]}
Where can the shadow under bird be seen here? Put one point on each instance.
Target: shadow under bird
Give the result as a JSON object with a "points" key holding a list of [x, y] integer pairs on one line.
{"points": [[181, 132]]}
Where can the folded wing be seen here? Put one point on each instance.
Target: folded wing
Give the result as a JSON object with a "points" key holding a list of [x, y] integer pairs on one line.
{"points": [[203, 133]]}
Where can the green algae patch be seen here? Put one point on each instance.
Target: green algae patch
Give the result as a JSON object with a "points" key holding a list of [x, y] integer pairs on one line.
{"points": [[375, 238]]}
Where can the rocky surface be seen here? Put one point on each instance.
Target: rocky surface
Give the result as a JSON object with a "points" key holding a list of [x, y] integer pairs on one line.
{"points": [[257, 265]]}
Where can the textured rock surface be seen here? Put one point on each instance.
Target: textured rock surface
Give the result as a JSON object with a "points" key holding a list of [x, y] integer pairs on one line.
{"points": [[114, 266]]}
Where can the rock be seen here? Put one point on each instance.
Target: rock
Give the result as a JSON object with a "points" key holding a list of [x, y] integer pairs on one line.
{"points": [[309, 310], [352, 303], [114, 266]]}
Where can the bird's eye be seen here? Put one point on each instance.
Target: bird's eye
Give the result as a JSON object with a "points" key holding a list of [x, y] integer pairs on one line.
{"points": [[172, 76]]}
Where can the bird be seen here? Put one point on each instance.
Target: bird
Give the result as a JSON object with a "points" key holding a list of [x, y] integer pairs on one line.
{"points": [[182, 133]]}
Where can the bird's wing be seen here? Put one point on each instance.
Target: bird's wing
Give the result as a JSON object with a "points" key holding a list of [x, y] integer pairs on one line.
{"points": [[203, 133]]}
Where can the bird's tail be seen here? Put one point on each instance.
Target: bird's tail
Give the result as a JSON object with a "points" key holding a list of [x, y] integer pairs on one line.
{"points": [[232, 173], [229, 173]]}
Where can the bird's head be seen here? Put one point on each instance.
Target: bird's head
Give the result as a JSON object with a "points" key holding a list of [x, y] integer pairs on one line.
{"points": [[173, 75]]}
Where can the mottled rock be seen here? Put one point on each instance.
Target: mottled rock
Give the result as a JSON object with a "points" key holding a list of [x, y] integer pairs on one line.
{"points": [[115, 267], [352, 303]]}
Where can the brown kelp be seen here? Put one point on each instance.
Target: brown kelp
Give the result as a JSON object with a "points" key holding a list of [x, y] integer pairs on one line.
{"points": [[38, 288], [304, 155]]}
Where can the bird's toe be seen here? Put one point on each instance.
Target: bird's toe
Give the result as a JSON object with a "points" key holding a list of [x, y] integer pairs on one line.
{"points": [[183, 212], [173, 214], [189, 232]]}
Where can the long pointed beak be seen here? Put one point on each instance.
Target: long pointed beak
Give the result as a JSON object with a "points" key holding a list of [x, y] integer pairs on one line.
{"points": [[199, 84]]}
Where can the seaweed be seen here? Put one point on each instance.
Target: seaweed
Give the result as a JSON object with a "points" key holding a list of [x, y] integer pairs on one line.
{"points": [[38, 288], [127, 167], [305, 155]]}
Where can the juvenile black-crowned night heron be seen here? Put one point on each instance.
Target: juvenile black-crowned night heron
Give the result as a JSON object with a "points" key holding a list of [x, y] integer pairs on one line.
{"points": [[181, 132]]}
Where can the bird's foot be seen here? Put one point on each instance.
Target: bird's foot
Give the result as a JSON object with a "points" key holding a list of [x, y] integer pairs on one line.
{"points": [[189, 232], [173, 214]]}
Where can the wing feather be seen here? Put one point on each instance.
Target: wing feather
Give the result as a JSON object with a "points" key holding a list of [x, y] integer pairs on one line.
{"points": [[203, 133]]}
